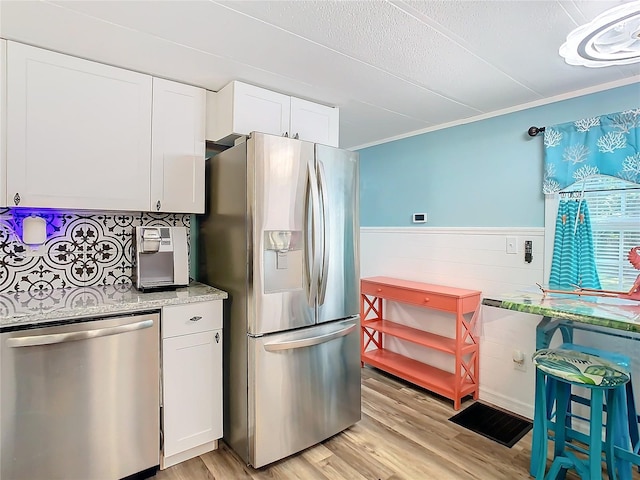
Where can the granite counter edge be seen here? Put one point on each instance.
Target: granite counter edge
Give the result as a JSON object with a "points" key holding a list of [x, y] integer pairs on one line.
{"points": [[68, 316]]}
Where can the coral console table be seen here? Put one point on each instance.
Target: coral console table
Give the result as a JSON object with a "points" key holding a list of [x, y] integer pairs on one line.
{"points": [[464, 347]]}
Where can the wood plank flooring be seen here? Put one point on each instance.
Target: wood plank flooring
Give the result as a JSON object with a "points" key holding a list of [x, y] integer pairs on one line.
{"points": [[404, 434]]}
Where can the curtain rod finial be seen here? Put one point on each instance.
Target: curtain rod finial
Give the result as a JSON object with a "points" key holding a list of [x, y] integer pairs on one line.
{"points": [[533, 131]]}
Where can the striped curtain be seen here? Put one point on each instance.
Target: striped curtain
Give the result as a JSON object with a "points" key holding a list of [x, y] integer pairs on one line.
{"points": [[574, 153], [573, 260]]}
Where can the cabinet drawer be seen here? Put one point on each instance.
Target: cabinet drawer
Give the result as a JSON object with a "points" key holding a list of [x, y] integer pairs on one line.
{"points": [[191, 318], [415, 297]]}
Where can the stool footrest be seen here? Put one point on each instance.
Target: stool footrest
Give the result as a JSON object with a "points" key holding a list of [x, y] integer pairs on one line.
{"points": [[572, 435], [626, 455]]}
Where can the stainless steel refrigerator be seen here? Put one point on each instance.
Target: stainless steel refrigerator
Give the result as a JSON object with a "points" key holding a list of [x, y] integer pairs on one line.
{"points": [[281, 235]]}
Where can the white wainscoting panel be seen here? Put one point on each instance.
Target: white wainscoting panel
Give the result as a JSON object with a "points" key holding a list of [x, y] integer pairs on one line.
{"points": [[473, 258]]}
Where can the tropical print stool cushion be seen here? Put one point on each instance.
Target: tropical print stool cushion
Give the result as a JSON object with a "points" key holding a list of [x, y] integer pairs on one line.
{"points": [[619, 359], [579, 367]]}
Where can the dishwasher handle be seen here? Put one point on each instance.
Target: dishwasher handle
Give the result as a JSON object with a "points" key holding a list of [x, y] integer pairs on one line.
{"points": [[308, 342], [51, 339]]}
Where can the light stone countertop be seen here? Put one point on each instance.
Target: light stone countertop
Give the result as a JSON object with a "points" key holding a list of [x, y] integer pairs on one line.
{"points": [[38, 308]]}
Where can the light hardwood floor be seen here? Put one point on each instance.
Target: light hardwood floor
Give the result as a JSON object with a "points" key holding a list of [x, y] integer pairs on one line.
{"points": [[404, 434]]}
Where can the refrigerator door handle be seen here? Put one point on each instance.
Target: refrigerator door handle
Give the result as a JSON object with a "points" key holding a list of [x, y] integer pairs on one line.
{"points": [[308, 342], [322, 177], [314, 247], [307, 242]]}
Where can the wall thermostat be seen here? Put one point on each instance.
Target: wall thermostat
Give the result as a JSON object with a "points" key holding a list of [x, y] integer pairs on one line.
{"points": [[419, 218]]}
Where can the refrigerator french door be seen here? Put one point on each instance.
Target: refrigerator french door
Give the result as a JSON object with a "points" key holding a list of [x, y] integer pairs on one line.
{"points": [[280, 234], [305, 229]]}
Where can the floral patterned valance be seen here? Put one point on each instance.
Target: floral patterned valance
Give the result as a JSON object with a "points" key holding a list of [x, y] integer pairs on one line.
{"points": [[604, 145]]}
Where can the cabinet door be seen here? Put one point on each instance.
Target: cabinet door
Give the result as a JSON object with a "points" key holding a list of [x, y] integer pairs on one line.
{"points": [[3, 121], [260, 110], [178, 147], [192, 390], [78, 132], [239, 109], [314, 122]]}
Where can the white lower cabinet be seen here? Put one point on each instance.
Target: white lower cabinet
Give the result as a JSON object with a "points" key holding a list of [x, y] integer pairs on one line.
{"points": [[191, 380]]}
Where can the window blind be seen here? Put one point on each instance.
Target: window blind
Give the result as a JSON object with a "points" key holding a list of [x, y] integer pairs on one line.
{"points": [[615, 221]]}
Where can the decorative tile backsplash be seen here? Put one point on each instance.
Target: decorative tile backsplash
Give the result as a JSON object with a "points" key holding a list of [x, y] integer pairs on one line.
{"points": [[82, 248]]}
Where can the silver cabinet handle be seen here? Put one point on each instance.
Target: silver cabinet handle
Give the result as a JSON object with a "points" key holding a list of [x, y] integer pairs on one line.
{"points": [[195, 319], [308, 342], [75, 336]]}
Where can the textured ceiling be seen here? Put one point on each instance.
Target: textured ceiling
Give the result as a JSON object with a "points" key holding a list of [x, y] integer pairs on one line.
{"points": [[393, 67]]}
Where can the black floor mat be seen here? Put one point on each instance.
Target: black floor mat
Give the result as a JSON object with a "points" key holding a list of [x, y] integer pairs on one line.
{"points": [[499, 426]]}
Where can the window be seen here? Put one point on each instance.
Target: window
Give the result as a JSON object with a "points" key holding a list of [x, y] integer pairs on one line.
{"points": [[614, 208]]}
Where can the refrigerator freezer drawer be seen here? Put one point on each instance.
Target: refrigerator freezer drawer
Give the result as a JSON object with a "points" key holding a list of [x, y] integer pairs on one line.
{"points": [[305, 387]]}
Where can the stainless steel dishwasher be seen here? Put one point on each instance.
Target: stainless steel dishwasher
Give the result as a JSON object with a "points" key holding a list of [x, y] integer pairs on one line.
{"points": [[81, 401]]}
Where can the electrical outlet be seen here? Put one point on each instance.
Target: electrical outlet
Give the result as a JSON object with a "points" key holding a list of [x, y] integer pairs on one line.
{"points": [[519, 360], [521, 366], [512, 245]]}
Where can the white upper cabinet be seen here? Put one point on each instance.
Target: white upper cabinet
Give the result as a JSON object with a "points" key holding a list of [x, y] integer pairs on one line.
{"points": [[314, 123], [178, 147], [3, 120], [78, 132], [239, 109]]}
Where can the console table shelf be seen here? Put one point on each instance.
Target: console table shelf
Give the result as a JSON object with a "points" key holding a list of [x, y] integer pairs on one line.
{"points": [[464, 346]]}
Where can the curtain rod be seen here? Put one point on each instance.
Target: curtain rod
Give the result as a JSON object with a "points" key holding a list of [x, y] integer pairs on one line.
{"points": [[533, 131], [579, 192]]}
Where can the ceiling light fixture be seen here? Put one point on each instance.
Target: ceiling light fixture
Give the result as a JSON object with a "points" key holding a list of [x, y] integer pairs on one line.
{"points": [[612, 38]]}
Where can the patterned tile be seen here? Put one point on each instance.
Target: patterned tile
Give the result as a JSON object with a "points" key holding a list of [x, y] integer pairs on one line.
{"points": [[82, 249]]}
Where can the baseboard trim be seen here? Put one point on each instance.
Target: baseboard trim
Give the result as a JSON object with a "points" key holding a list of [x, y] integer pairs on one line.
{"points": [[166, 462], [508, 403]]}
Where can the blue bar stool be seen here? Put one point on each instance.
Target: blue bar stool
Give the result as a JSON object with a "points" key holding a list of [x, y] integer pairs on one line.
{"points": [[556, 371], [623, 361], [632, 417]]}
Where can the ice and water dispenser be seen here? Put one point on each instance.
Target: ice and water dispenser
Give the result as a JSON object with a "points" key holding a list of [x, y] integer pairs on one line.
{"points": [[283, 260]]}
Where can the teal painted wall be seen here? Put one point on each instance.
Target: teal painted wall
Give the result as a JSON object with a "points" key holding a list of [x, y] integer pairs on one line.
{"points": [[483, 174]]}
